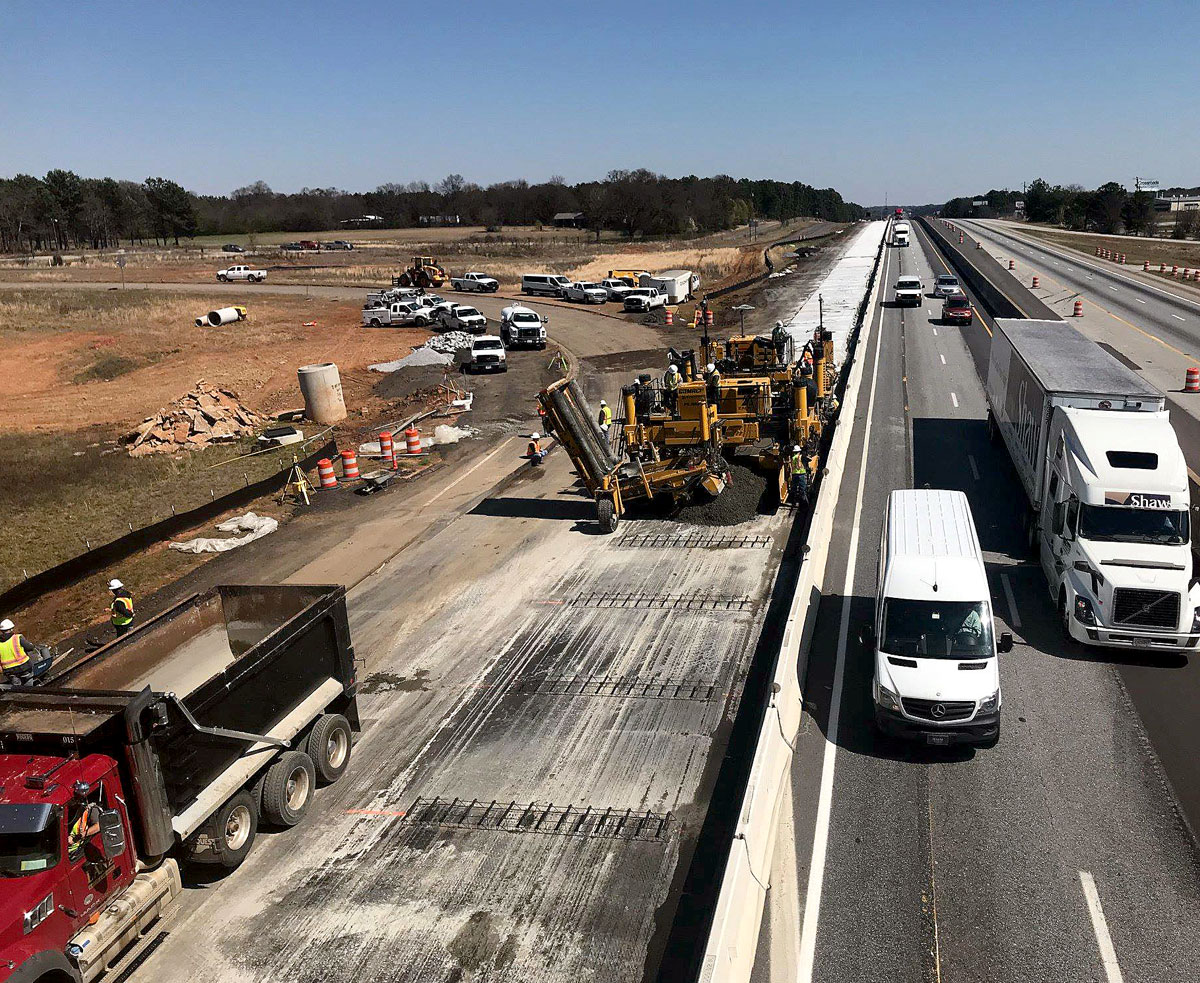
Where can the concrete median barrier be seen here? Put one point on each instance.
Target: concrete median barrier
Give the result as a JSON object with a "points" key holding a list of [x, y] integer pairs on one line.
{"points": [[729, 953]]}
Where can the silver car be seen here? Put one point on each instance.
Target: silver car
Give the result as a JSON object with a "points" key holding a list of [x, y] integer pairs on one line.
{"points": [[946, 285]]}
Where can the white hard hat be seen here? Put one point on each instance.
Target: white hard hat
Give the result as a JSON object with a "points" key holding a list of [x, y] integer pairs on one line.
{"points": [[710, 367], [672, 368], [602, 403], [7, 625], [535, 436], [795, 447], [115, 584], [779, 324]]}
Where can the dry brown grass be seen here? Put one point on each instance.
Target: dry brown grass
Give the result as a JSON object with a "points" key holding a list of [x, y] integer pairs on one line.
{"points": [[1181, 253]]}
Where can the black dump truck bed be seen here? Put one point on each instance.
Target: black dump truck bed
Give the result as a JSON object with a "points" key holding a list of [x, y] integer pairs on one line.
{"points": [[183, 699]]}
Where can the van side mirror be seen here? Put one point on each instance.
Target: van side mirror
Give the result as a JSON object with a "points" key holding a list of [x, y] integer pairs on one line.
{"points": [[112, 834], [1006, 642]]}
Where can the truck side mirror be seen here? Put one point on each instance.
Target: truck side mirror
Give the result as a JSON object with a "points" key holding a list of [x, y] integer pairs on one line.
{"points": [[1006, 642], [112, 834]]}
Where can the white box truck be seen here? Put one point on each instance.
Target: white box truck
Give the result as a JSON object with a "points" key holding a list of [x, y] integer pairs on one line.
{"points": [[1109, 507], [677, 286], [901, 234], [934, 616]]}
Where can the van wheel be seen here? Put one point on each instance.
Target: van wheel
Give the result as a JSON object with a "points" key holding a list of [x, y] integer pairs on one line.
{"points": [[288, 788], [329, 745], [230, 832], [1031, 533], [993, 430]]}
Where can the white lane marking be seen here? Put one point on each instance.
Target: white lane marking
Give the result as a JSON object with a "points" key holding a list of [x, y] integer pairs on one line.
{"points": [[1014, 616], [1112, 288], [1088, 275], [816, 868], [1177, 317], [1108, 955], [467, 474], [974, 469], [943, 358], [954, 399], [1070, 269], [1139, 300], [935, 332]]}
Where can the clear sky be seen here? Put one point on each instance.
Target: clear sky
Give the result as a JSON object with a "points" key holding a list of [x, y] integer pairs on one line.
{"points": [[917, 100]]}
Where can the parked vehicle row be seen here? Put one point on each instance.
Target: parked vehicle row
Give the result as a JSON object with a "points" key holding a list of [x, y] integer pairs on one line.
{"points": [[635, 290], [311, 245]]}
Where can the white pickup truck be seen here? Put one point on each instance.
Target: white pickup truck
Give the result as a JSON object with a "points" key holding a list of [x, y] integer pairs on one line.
{"points": [[644, 299], [400, 312], [241, 273], [458, 317], [616, 289], [479, 282], [486, 354], [585, 293], [519, 326]]}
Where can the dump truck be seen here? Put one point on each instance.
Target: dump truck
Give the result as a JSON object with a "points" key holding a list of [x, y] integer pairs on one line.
{"points": [[423, 272], [680, 460], [171, 743], [1109, 511]]}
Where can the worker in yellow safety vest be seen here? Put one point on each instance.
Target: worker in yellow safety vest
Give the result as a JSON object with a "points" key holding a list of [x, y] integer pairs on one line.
{"points": [[671, 383], [20, 660], [799, 476], [121, 609], [605, 416], [712, 376]]}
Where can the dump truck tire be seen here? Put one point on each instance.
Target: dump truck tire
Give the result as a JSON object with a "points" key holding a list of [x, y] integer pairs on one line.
{"points": [[229, 832], [288, 789], [329, 744], [606, 515]]}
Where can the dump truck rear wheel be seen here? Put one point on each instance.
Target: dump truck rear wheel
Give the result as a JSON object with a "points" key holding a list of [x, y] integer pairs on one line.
{"points": [[606, 515], [329, 745], [229, 832], [288, 788]]}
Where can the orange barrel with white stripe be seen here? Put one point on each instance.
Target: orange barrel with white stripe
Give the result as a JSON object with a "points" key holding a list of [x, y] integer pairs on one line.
{"points": [[1174, 271], [1191, 381], [385, 449], [412, 440], [1078, 309], [1035, 283], [350, 466], [1122, 259], [325, 473], [1145, 266], [708, 319], [1012, 264], [670, 317]]}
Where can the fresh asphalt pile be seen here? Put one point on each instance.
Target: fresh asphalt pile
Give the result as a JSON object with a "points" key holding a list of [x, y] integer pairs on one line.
{"points": [[744, 497]]}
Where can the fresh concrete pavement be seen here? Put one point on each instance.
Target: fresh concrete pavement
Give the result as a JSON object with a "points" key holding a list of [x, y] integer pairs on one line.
{"points": [[1057, 855]]}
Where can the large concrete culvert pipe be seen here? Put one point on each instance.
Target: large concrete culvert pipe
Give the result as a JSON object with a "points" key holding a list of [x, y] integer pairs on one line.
{"points": [[321, 386], [226, 315]]}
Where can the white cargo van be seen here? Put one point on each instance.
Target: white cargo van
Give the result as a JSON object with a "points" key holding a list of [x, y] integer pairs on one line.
{"points": [[936, 678], [547, 284]]}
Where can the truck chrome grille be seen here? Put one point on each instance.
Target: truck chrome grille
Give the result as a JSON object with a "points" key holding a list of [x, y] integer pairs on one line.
{"points": [[1145, 608], [928, 709]]}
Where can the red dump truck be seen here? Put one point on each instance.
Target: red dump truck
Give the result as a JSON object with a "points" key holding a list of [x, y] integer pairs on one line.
{"points": [[171, 743]]}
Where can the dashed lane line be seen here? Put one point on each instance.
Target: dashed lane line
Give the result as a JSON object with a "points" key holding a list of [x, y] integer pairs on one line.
{"points": [[1108, 954], [974, 468], [954, 399], [1014, 616]]}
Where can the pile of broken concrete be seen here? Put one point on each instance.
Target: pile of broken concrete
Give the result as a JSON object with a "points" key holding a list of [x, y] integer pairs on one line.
{"points": [[206, 415]]}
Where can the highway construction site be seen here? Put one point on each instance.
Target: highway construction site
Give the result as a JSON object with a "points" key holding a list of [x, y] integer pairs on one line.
{"points": [[556, 710]]}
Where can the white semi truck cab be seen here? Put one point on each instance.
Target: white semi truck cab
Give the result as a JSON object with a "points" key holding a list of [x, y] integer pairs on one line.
{"points": [[1109, 509]]}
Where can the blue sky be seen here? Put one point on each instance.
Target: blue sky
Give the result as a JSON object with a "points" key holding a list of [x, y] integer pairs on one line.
{"points": [[916, 100]]}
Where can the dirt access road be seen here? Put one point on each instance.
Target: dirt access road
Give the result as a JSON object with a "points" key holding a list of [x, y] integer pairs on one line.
{"points": [[511, 655]]}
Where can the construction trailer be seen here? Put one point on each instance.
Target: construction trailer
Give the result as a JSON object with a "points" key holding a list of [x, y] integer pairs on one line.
{"points": [[677, 455]]}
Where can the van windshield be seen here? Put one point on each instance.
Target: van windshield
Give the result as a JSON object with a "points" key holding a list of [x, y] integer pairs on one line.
{"points": [[936, 629], [1124, 525]]}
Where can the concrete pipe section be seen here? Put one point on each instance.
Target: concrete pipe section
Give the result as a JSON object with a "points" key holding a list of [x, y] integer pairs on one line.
{"points": [[321, 386]]}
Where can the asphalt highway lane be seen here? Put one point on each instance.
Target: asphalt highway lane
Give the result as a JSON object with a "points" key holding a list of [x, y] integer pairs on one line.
{"points": [[1059, 854]]}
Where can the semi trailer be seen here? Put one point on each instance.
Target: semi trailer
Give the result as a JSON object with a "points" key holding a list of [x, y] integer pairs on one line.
{"points": [[170, 744], [1107, 486]]}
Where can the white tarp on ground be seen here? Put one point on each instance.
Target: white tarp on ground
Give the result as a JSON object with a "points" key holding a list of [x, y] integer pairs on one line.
{"points": [[841, 292], [254, 526]]}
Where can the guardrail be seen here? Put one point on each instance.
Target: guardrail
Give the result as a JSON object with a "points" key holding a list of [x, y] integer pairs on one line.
{"points": [[729, 953]]}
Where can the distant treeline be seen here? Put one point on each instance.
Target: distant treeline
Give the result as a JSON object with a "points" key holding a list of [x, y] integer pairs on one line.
{"points": [[63, 210], [1109, 208]]}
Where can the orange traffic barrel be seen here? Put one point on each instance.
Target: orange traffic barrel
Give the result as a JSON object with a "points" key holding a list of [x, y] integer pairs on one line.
{"points": [[1035, 283], [1078, 308], [350, 466], [708, 319], [1012, 264], [1191, 381], [670, 317], [412, 440], [385, 449], [325, 473], [1145, 266]]}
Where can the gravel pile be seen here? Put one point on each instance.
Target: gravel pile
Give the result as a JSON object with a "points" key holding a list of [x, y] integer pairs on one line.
{"points": [[421, 356], [450, 342], [745, 496]]}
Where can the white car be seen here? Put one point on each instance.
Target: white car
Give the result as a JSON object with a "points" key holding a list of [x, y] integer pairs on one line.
{"points": [[643, 299], [946, 285], [616, 289], [478, 282], [486, 354], [519, 327], [458, 317], [241, 273], [909, 290], [586, 293]]}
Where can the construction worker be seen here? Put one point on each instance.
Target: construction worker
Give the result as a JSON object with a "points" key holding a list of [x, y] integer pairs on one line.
{"points": [[605, 416], [671, 383], [21, 661], [121, 609], [799, 476], [534, 451], [712, 379], [779, 340], [84, 825]]}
